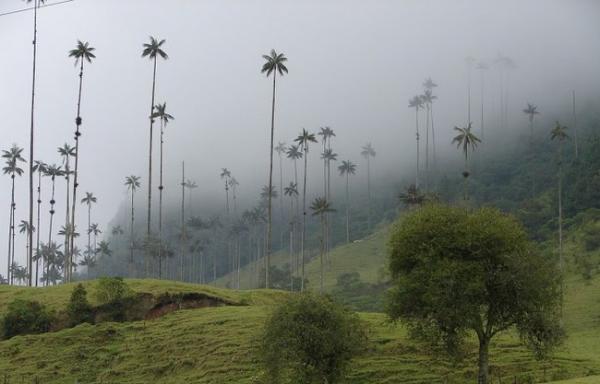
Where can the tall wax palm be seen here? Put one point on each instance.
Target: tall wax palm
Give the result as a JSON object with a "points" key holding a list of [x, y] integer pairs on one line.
{"points": [[329, 156], [67, 152], [292, 192], [428, 98], [94, 229], [559, 133], [417, 103], [36, 5], [368, 152], [52, 171], [233, 185], [164, 117], [467, 142], [13, 158], [82, 53], [304, 140], [132, 183], [88, 200], [67, 231], [274, 63], [346, 169], [191, 185], [183, 228], [281, 149], [226, 175], [24, 227], [294, 153], [321, 207], [469, 62], [152, 50], [39, 167], [482, 67], [531, 111]]}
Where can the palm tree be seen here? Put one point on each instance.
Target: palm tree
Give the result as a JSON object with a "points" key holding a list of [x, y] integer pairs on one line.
{"points": [[303, 140], [321, 207], [66, 152], [39, 167], [274, 63], [24, 227], [429, 85], [292, 192], [94, 229], [164, 117], [294, 153], [346, 169], [482, 67], [132, 183], [233, 184], [559, 133], [417, 103], [104, 249], [13, 157], [88, 200], [152, 50], [531, 111], [88, 261], [468, 141], [225, 175], [52, 171], [428, 99], [36, 5], [368, 152], [191, 185], [281, 149], [82, 53], [328, 157], [412, 197]]}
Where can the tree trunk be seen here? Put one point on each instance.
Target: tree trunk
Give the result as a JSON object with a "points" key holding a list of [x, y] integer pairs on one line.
{"points": [[160, 198], [369, 191], [347, 207], [149, 229], [418, 146], [575, 128], [303, 239], [75, 185], [90, 227], [322, 248], [560, 231], [31, 135], [270, 219], [483, 362], [10, 231], [68, 205], [183, 234], [50, 229], [37, 247], [131, 240], [434, 155], [427, 149]]}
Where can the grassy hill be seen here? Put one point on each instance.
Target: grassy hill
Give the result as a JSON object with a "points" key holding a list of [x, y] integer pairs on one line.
{"points": [[216, 344]]}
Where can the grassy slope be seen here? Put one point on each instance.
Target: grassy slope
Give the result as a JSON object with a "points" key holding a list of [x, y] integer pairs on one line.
{"points": [[214, 345], [367, 257]]}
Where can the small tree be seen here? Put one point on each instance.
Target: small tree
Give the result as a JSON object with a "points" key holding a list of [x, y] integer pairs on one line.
{"points": [[79, 309], [310, 339], [25, 317], [456, 272]]}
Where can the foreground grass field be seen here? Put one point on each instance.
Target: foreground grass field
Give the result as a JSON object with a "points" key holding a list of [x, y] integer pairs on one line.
{"points": [[216, 345]]}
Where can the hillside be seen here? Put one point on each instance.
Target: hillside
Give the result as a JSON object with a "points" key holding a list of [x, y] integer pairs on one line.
{"points": [[215, 345]]}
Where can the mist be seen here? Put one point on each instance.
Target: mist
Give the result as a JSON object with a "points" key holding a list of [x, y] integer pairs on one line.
{"points": [[353, 66]]}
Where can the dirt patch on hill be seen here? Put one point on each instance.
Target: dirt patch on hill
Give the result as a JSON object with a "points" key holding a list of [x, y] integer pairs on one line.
{"points": [[168, 303]]}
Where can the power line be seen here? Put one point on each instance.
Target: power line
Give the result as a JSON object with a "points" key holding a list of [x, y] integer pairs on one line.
{"points": [[39, 6]]}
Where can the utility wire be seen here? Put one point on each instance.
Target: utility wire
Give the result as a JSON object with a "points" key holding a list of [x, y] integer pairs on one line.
{"points": [[39, 6]]}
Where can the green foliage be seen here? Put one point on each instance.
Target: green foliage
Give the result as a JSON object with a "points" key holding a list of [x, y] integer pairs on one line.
{"points": [[79, 309], [457, 271], [112, 293], [310, 339], [25, 317]]}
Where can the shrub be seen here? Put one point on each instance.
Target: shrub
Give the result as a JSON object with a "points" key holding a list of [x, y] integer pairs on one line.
{"points": [[79, 309], [310, 339], [26, 317], [112, 293]]}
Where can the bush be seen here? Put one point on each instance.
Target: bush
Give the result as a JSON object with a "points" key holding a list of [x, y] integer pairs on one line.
{"points": [[112, 293], [79, 309], [310, 339], [25, 317]]}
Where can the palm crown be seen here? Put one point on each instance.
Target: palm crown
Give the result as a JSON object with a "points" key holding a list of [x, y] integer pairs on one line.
{"points": [[53, 171], [13, 157], [83, 51], [40, 166], [428, 84], [161, 113], [368, 151], [280, 148], [531, 111], [89, 198], [265, 192], [291, 190], [132, 182], [326, 133], [320, 206], [305, 138], [465, 139], [225, 173], [416, 102], [329, 155], [153, 49], [274, 62], [95, 229], [559, 132], [428, 97], [25, 227], [294, 152], [347, 168]]}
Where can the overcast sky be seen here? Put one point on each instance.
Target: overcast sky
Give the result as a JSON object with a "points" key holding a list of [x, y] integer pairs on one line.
{"points": [[353, 65]]}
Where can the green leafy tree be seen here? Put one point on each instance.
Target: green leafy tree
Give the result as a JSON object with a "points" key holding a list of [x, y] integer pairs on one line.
{"points": [[25, 317], [79, 309], [310, 339], [455, 272], [274, 63]]}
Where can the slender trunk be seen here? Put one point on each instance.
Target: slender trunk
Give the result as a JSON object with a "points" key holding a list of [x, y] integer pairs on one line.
{"points": [[291, 243], [347, 207], [468, 93], [466, 176], [297, 216], [327, 216], [37, 247], [67, 212], [183, 234], [75, 184], [427, 149], [160, 199], [131, 236], [434, 154], [282, 232], [369, 191], [303, 216], [10, 231], [482, 97], [322, 248], [149, 225], [270, 219], [560, 231], [575, 128], [89, 244], [483, 361], [50, 230], [418, 146], [31, 135]]}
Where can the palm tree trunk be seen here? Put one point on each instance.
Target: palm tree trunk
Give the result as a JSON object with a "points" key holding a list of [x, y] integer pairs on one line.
{"points": [[31, 135], [90, 226], [160, 199], [303, 239], [10, 231], [50, 228], [75, 185], [575, 128], [183, 234], [68, 205], [348, 207], [297, 217], [269, 213], [418, 146], [433, 140], [149, 225], [427, 149], [131, 236], [322, 248], [291, 243], [560, 231], [37, 247], [482, 97], [282, 232], [369, 191]]}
